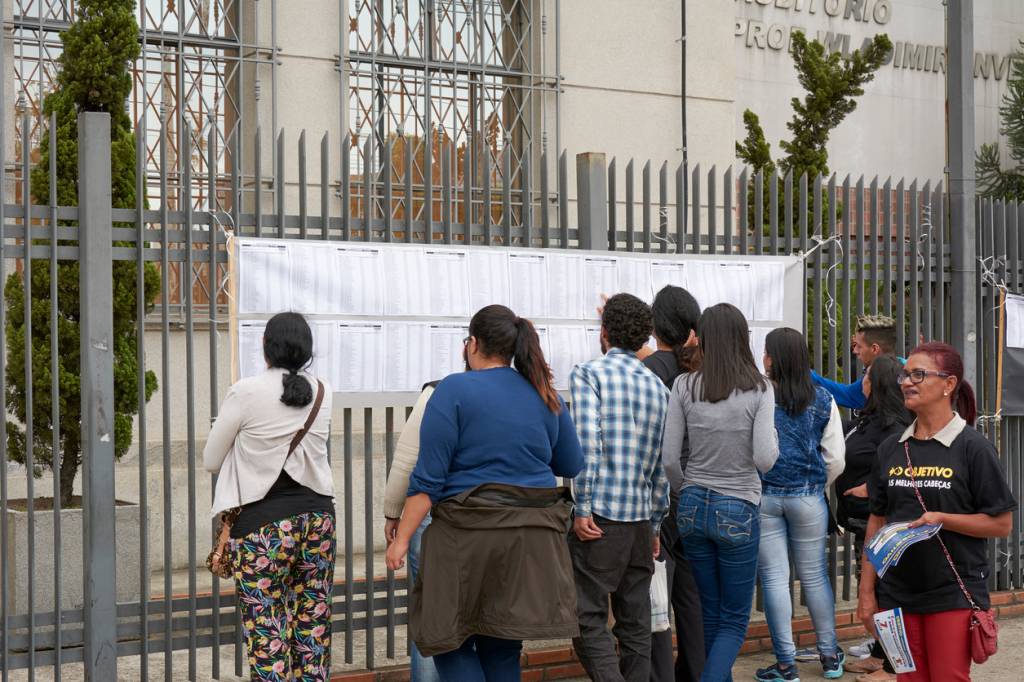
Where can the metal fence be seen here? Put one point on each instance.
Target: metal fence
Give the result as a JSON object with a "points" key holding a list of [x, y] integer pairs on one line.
{"points": [[869, 245]]}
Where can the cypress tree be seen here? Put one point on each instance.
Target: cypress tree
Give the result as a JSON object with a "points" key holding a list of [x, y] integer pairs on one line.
{"points": [[100, 47]]}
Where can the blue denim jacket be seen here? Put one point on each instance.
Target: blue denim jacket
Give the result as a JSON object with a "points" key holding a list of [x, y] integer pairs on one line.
{"points": [[800, 469]]}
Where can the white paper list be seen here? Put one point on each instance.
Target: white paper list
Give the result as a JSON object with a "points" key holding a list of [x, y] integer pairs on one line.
{"points": [[666, 272], [446, 350], [569, 347], [600, 277], [714, 282], [405, 271], [488, 269], [594, 341], [449, 282], [1014, 321], [768, 286], [528, 284], [406, 356], [251, 360], [324, 355], [315, 281], [265, 283], [360, 357], [565, 287], [635, 278], [361, 280], [757, 340]]}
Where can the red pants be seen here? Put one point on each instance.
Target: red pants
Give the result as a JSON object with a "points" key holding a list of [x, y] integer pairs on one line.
{"points": [[941, 646]]}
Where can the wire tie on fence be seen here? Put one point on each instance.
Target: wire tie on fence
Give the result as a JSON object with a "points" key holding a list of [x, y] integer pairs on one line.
{"points": [[830, 301], [989, 276], [995, 418], [668, 240]]}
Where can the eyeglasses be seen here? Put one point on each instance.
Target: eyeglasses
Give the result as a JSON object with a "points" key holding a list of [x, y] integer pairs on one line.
{"points": [[466, 340], [916, 376]]}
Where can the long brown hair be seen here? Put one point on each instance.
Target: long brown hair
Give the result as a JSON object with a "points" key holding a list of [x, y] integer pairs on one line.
{"points": [[502, 334], [728, 363]]}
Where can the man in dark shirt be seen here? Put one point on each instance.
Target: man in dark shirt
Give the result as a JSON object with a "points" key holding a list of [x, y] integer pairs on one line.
{"points": [[675, 320]]}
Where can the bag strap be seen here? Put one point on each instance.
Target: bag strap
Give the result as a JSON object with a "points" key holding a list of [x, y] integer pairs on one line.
{"points": [[949, 559], [313, 412]]}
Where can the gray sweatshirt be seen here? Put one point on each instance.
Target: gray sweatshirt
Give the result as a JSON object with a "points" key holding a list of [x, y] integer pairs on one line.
{"points": [[730, 441]]}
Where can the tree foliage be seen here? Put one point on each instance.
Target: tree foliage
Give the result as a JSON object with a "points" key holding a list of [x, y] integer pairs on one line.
{"points": [[993, 181], [832, 83], [99, 48]]}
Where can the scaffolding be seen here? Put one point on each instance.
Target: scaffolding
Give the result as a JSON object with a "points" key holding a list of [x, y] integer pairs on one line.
{"points": [[416, 76]]}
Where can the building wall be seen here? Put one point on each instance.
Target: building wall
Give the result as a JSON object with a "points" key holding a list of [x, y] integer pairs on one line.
{"points": [[898, 128]]}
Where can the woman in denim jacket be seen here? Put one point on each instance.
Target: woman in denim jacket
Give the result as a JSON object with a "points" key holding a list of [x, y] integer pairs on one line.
{"points": [[794, 511]]}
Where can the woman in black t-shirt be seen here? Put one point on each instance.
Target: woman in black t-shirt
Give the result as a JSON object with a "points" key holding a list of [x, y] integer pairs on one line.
{"points": [[957, 473], [883, 416]]}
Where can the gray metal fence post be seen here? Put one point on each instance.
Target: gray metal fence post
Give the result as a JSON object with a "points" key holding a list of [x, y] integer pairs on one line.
{"points": [[97, 330], [960, 132], [592, 200]]}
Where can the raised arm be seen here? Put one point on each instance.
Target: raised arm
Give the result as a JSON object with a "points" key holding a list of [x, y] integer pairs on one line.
{"points": [[850, 396]]}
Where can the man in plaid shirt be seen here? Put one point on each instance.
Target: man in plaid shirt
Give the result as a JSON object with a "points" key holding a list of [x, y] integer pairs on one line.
{"points": [[621, 495]]}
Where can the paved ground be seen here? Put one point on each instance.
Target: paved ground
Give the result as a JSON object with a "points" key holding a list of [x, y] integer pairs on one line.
{"points": [[1006, 666]]}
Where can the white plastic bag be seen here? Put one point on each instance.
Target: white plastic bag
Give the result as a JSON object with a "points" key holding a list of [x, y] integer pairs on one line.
{"points": [[659, 598]]}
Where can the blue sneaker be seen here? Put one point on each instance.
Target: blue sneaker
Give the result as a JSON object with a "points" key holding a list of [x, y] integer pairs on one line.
{"points": [[832, 666], [777, 672]]}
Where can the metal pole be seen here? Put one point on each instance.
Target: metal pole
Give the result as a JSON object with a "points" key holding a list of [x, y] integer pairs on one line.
{"points": [[592, 201], [97, 352], [960, 134], [682, 103]]}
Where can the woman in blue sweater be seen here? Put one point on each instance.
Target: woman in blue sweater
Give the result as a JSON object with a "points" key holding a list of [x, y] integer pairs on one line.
{"points": [[794, 511], [495, 566]]}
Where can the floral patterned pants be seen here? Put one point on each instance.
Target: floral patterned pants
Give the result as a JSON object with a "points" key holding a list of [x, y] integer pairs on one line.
{"points": [[284, 573]]}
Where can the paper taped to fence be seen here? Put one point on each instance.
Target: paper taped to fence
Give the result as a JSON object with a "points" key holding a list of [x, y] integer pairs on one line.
{"points": [[392, 317]]}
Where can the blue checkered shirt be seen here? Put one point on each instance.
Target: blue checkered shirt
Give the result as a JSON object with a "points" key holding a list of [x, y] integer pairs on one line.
{"points": [[619, 408]]}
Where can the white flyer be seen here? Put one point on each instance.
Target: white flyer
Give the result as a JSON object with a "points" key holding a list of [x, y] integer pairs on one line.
{"points": [[488, 269], [406, 356], [528, 284], [445, 348], [1014, 321], [666, 272], [360, 357], [569, 348], [768, 287], [565, 287], [600, 278], [324, 363], [251, 360], [265, 274], [449, 282], [635, 278], [360, 280], [892, 634], [714, 282], [408, 283], [315, 281]]}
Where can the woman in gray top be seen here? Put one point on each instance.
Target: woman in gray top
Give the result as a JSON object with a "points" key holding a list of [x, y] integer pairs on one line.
{"points": [[727, 408]]}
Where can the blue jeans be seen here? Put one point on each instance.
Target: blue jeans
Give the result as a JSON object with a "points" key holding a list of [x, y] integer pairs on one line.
{"points": [[719, 537], [421, 669], [482, 659], [798, 525]]}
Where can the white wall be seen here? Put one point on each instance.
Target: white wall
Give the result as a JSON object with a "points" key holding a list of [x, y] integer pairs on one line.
{"points": [[898, 128]]}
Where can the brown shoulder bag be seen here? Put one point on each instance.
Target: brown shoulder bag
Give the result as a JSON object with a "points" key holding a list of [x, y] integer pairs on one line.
{"points": [[220, 561], [984, 628]]}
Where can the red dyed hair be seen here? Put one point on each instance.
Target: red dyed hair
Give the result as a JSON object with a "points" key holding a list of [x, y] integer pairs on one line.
{"points": [[949, 360]]}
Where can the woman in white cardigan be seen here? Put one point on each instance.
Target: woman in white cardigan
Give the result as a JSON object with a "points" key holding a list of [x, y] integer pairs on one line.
{"points": [[269, 447]]}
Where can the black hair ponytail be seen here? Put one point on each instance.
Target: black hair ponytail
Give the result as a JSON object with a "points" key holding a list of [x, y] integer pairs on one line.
{"points": [[288, 345], [528, 359]]}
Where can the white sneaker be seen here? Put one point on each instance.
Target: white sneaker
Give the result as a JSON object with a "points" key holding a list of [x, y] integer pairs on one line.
{"points": [[862, 650]]}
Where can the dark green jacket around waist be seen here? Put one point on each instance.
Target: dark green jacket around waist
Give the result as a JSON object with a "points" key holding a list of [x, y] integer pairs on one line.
{"points": [[494, 561]]}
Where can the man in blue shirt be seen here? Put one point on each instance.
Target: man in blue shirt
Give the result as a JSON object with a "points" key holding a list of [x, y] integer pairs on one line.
{"points": [[875, 336], [621, 494]]}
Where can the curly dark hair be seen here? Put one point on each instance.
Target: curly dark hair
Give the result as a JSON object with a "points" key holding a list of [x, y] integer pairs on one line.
{"points": [[627, 321]]}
